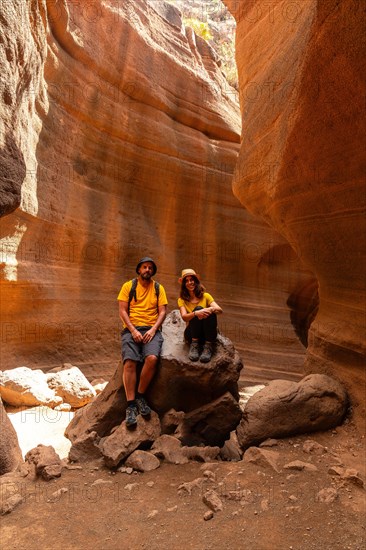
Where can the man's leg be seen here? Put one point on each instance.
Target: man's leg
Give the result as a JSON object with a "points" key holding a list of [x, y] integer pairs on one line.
{"points": [[151, 353], [129, 383], [147, 373], [129, 379]]}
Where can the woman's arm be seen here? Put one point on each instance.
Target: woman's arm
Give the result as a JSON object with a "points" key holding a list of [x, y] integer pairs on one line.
{"points": [[185, 315], [215, 308]]}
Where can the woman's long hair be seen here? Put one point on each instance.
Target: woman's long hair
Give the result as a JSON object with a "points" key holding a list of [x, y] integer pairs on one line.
{"points": [[199, 289]]}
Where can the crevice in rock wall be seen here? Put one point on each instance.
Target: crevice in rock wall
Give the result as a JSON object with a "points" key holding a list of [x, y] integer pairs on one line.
{"points": [[304, 305], [12, 174]]}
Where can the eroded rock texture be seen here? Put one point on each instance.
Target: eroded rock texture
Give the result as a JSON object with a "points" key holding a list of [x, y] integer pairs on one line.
{"points": [[10, 452], [301, 160], [128, 135]]}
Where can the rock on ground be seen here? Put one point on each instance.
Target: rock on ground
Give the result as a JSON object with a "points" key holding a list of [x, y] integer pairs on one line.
{"points": [[142, 461], [10, 452], [231, 449], [23, 386], [169, 448], [104, 413], [86, 448], [284, 408], [123, 441], [212, 423], [262, 457], [47, 463], [72, 386]]}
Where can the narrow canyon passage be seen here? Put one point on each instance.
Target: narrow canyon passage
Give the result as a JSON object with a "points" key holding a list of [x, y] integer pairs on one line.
{"points": [[135, 137]]}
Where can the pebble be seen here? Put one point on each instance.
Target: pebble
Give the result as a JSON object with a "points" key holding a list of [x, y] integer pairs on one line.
{"points": [[130, 486], [150, 483], [101, 482], [172, 509], [56, 495], [12, 502], [208, 515], [152, 514], [209, 474], [212, 500]]}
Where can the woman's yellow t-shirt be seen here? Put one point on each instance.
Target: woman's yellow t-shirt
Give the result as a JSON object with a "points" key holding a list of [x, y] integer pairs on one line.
{"points": [[205, 301]]}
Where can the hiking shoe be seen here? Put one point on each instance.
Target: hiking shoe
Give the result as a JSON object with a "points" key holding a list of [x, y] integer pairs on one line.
{"points": [[142, 406], [131, 416], [207, 353], [194, 352]]}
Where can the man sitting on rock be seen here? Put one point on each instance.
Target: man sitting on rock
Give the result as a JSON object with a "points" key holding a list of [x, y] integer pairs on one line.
{"points": [[142, 309]]}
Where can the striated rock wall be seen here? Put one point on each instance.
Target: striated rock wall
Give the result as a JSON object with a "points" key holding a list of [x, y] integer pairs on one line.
{"points": [[130, 134], [301, 166]]}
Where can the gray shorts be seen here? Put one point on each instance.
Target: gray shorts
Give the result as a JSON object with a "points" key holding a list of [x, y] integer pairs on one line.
{"points": [[138, 352]]}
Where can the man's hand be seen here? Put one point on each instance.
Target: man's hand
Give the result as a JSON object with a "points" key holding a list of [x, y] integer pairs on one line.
{"points": [[137, 336], [149, 335]]}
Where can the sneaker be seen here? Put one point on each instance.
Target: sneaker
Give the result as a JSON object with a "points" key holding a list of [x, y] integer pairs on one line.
{"points": [[131, 416], [142, 406], [194, 352], [207, 353]]}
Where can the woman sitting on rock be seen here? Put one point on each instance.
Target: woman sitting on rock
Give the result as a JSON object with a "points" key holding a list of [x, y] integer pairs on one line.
{"points": [[198, 309]]}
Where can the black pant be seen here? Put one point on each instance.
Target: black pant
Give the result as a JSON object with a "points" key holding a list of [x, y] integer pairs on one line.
{"points": [[205, 330]]}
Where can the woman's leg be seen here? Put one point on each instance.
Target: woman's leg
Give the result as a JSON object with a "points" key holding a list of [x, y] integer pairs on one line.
{"points": [[194, 333], [194, 330], [210, 328]]}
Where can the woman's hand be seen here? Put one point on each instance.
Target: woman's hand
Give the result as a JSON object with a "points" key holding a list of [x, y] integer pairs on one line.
{"points": [[203, 313]]}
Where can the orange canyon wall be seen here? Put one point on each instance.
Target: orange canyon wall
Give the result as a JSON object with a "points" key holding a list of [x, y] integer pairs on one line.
{"points": [[302, 159]]}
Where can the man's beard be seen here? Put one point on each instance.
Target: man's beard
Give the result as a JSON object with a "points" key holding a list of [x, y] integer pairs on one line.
{"points": [[146, 276]]}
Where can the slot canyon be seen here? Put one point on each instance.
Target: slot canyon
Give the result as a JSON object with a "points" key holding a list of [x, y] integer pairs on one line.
{"points": [[120, 137], [128, 129]]}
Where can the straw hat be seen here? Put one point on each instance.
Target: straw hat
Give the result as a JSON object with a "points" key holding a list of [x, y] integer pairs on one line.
{"points": [[187, 272]]}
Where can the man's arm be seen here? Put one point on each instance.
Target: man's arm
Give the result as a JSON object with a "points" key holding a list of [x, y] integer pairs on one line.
{"points": [[123, 313]]}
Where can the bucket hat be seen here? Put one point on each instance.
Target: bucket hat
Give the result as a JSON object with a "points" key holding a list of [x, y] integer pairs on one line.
{"points": [[146, 259]]}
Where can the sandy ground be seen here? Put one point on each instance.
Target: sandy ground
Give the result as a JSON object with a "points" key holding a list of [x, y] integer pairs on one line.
{"points": [[90, 507]]}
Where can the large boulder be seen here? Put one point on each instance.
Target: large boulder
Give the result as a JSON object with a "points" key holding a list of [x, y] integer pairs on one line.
{"points": [[285, 408], [184, 385], [10, 453], [179, 384], [23, 386], [72, 386], [102, 414]]}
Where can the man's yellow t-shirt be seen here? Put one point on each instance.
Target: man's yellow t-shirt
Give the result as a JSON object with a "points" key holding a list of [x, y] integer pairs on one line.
{"points": [[143, 312], [205, 301]]}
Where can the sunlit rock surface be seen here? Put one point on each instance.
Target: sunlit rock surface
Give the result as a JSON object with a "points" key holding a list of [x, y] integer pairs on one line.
{"points": [[301, 160]]}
